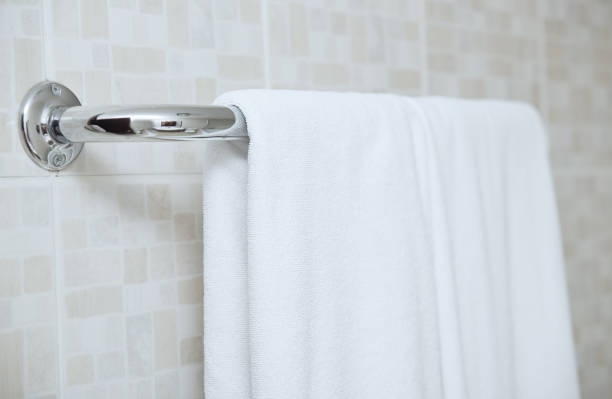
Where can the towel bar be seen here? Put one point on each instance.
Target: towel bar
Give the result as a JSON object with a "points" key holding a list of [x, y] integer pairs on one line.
{"points": [[53, 125]]}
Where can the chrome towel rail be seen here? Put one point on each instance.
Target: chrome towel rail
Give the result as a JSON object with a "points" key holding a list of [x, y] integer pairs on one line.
{"points": [[53, 125]]}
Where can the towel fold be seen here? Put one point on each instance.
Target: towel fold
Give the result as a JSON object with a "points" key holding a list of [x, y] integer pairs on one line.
{"points": [[376, 246]]}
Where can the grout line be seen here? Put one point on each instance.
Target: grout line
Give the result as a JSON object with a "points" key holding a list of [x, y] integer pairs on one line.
{"points": [[581, 171], [265, 32], [423, 64], [47, 41], [125, 175], [16, 177], [167, 54], [59, 288], [49, 73], [116, 175]]}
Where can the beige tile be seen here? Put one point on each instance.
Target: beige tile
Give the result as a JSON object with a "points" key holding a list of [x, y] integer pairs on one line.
{"points": [[135, 263], [357, 29], [500, 68], [94, 19], [28, 65], [11, 365], [138, 90], [80, 370], [165, 385], [6, 144], [191, 381], [162, 262], [206, 90], [37, 274], [279, 29], [33, 309], [202, 25], [131, 199], [164, 327], [178, 29], [151, 6], [299, 30], [110, 366], [94, 301], [159, 201], [329, 75], [100, 55], [440, 11], [6, 316], [163, 232], [191, 350], [190, 321], [472, 88], [239, 68], [41, 359], [10, 277], [190, 290], [225, 9], [338, 23], [73, 234], [67, 12], [92, 267], [9, 208], [138, 60], [103, 231], [411, 31], [98, 88], [31, 22], [138, 298], [439, 37], [189, 258], [442, 62], [139, 345], [184, 157], [184, 227], [181, 90], [250, 11], [403, 79]]}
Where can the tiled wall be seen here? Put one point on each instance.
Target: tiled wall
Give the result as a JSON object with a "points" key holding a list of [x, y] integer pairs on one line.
{"points": [[100, 265]]}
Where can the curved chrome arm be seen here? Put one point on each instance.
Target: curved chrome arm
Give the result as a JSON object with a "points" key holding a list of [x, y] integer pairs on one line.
{"points": [[146, 123], [53, 125]]}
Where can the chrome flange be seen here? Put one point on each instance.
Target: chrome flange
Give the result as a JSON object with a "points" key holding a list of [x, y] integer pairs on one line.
{"points": [[47, 150]]}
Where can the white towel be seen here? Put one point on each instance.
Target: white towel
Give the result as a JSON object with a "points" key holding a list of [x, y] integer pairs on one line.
{"points": [[375, 246]]}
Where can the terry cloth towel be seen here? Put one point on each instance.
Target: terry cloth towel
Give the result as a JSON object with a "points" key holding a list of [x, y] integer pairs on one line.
{"points": [[377, 246]]}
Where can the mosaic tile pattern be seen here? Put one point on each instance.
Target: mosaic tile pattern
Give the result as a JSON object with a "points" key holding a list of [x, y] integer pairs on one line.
{"points": [[21, 66], [579, 82], [28, 329], [483, 48], [357, 46], [589, 275], [110, 306], [578, 52], [130, 282]]}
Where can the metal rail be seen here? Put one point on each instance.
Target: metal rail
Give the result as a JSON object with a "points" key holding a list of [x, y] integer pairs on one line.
{"points": [[53, 125]]}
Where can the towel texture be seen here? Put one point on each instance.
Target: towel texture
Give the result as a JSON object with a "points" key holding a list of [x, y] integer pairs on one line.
{"points": [[376, 246]]}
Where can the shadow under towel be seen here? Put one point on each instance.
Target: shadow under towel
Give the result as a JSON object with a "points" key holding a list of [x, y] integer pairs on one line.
{"points": [[377, 246]]}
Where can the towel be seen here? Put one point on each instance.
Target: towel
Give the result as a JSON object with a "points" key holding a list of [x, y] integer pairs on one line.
{"points": [[377, 246]]}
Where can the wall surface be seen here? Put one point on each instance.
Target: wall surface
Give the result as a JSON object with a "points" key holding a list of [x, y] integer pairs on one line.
{"points": [[100, 265]]}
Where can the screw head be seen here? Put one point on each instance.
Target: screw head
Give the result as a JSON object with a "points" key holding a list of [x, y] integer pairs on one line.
{"points": [[57, 160], [56, 90]]}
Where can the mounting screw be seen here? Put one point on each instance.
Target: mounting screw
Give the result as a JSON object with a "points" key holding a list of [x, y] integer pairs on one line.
{"points": [[56, 90], [57, 160]]}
